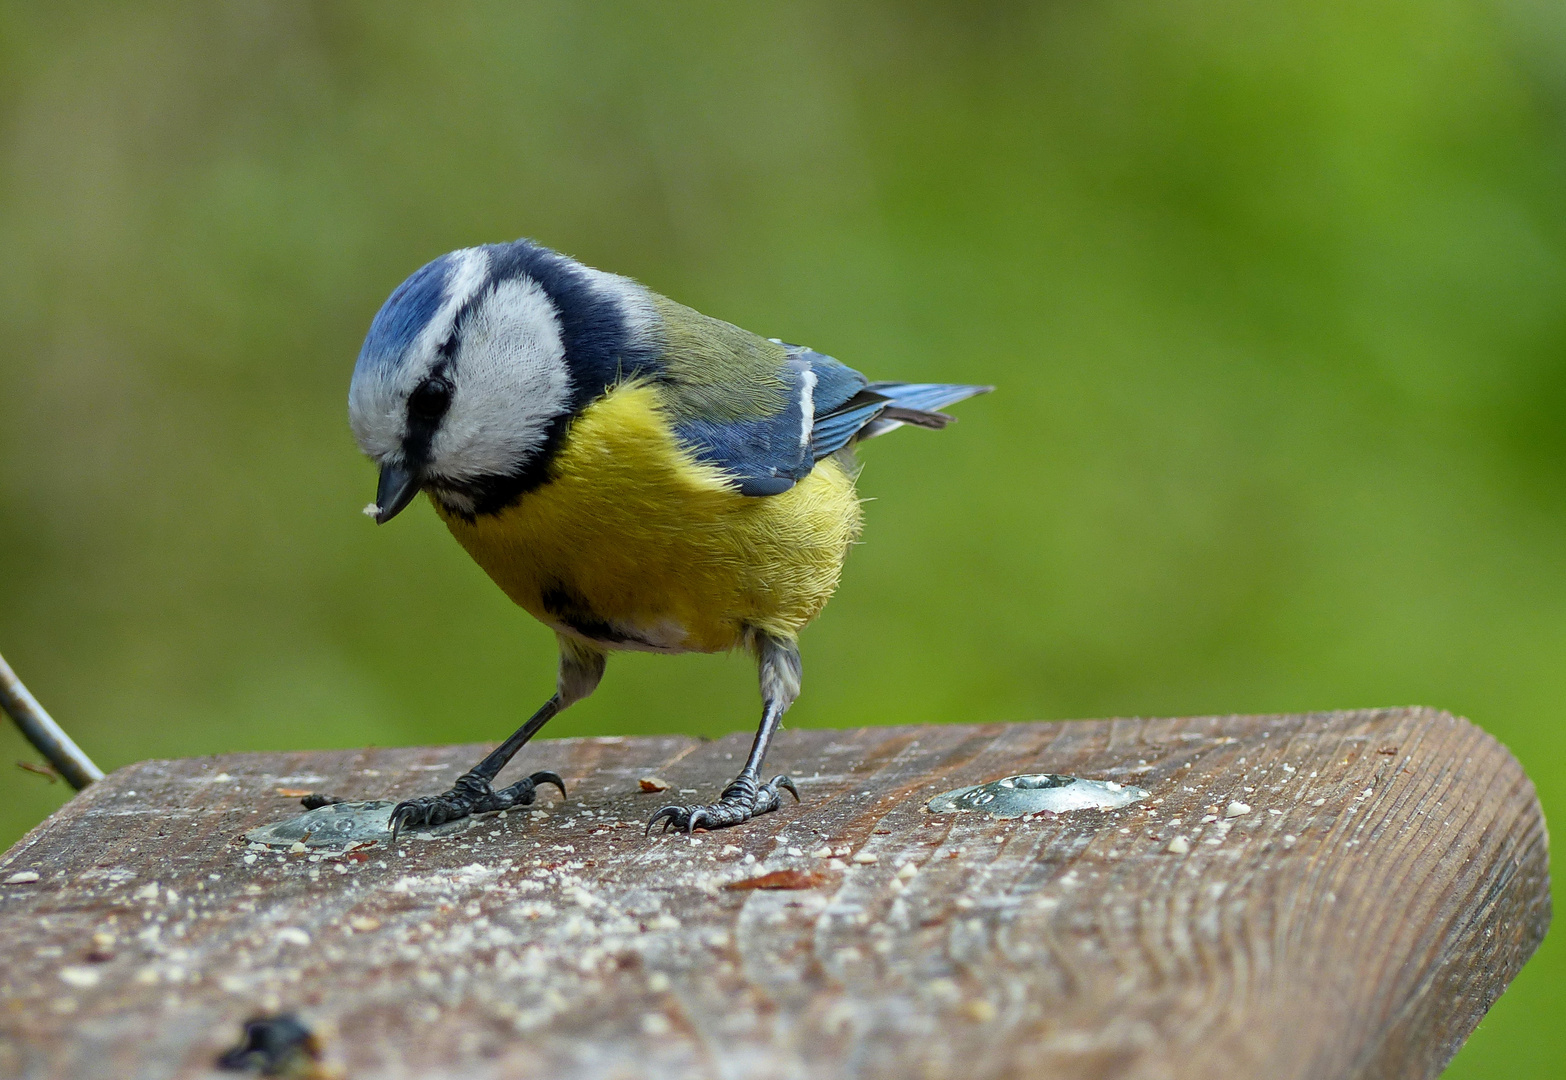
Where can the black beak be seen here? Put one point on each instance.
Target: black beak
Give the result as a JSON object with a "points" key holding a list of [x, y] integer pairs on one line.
{"points": [[396, 490]]}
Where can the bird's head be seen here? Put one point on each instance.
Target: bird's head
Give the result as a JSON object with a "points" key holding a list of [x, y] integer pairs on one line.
{"points": [[462, 383]]}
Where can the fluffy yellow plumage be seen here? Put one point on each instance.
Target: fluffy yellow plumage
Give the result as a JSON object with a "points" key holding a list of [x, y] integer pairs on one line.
{"points": [[636, 533]]}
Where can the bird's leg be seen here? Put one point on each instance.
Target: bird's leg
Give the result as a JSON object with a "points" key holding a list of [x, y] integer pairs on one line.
{"points": [[747, 796], [581, 666]]}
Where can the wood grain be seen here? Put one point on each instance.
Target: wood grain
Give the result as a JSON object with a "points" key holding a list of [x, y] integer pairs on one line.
{"points": [[1386, 879]]}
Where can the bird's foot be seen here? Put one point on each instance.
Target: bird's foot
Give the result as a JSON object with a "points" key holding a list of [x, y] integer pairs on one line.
{"points": [[469, 795], [740, 801]]}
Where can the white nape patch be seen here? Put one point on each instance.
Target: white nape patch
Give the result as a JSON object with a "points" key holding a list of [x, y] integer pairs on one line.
{"points": [[510, 382], [377, 399], [630, 296], [807, 405]]}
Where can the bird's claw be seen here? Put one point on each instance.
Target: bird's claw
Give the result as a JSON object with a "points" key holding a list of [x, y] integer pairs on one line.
{"points": [[741, 801], [469, 795]]}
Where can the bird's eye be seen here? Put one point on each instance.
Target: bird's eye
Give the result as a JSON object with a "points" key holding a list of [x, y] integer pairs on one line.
{"points": [[430, 399]]}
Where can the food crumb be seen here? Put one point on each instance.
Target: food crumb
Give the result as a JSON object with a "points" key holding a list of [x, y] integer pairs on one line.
{"points": [[980, 1010], [80, 977], [1179, 845]]}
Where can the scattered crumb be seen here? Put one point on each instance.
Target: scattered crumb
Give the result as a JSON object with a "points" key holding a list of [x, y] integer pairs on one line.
{"points": [[980, 1010], [821, 853], [655, 1024], [942, 990], [1289, 839], [79, 977], [865, 858], [836, 864], [907, 870], [22, 877], [1179, 846], [653, 783], [1236, 809], [292, 935], [658, 982]]}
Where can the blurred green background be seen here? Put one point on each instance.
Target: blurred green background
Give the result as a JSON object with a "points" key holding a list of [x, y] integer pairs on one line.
{"points": [[1275, 295]]}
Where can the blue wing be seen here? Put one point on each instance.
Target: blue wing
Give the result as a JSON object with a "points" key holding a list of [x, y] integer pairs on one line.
{"points": [[824, 406], [766, 455]]}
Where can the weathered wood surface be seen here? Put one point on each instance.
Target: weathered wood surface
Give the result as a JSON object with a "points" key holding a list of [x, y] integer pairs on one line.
{"points": [[1387, 881]]}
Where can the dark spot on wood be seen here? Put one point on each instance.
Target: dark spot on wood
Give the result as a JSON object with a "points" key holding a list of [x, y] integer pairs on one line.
{"points": [[782, 879]]}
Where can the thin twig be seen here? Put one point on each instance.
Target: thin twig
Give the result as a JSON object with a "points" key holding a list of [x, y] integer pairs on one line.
{"points": [[45, 735], [45, 771]]}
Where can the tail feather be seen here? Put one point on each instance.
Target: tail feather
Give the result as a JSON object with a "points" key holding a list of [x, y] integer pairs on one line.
{"points": [[917, 404]]}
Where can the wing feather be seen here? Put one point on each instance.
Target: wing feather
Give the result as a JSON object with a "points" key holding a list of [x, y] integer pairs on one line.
{"points": [[765, 411]]}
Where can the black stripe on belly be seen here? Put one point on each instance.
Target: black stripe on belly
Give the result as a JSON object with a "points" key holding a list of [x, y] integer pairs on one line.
{"points": [[570, 610]]}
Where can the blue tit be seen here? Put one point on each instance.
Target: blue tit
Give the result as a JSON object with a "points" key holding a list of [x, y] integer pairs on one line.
{"points": [[634, 474]]}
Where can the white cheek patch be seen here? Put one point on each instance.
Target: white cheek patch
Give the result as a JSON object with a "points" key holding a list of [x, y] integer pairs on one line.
{"points": [[511, 383]]}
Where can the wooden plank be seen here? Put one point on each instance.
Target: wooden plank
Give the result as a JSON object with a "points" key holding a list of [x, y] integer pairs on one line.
{"points": [[1383, 882]]}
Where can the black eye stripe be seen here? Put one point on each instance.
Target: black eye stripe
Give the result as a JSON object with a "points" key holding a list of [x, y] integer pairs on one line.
{"points": [[427, 406]]}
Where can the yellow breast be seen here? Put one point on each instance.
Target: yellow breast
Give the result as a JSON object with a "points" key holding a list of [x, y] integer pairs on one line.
{"points": [[638, 545]]}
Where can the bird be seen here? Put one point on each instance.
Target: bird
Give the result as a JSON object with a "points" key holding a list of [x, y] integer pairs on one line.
{"points": [[634, 474]]}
